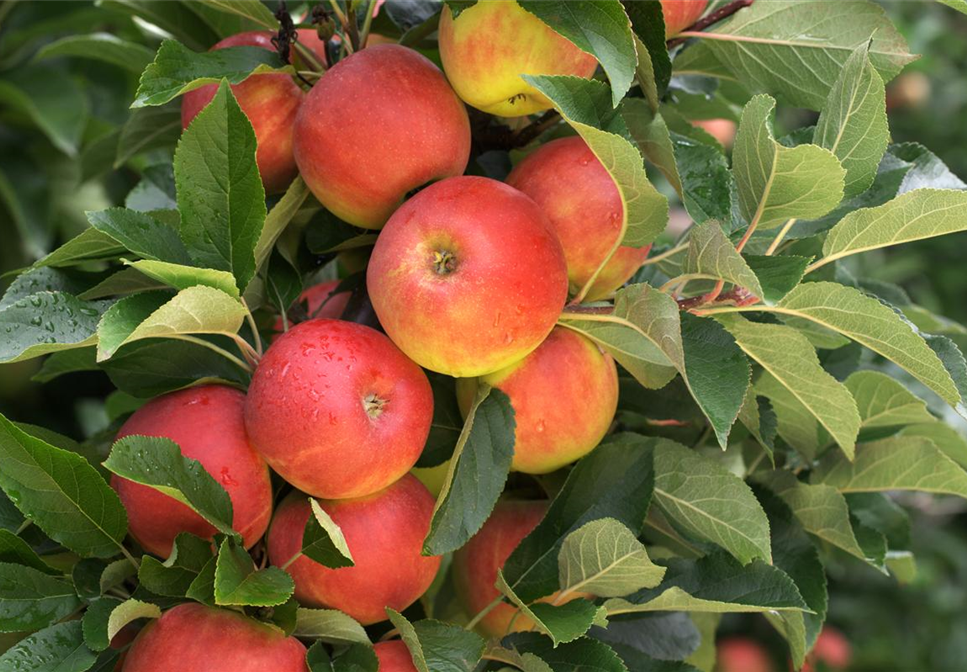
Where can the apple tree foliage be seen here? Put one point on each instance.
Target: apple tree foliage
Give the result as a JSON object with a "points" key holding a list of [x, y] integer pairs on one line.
{"points": [[770, 399]]}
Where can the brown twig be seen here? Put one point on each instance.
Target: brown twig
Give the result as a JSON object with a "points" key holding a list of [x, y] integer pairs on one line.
{"points": [[488, 137], [710, 20], [738, 296]]}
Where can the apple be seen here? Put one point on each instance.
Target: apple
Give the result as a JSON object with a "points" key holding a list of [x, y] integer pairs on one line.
{"points": [[722, 130], [377, 125], [194, 638], [206, 421], [740, 654], [433, 477], [584, 208], [321, 302], [467, 277], [270, 102], [680, 14], [384, 532], [394, 657], [337, 410], [487, 48], [564, 395], [832, 649]]}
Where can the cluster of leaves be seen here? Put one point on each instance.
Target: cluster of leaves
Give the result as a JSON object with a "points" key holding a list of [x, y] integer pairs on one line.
{"points": [[748, 339]]}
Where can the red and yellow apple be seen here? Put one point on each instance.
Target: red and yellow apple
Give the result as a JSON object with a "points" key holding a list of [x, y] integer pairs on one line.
{"points": [[394, 657], [195, 638], [321, 302], [584, 208], [270, 102], [832, 649], [680, 14], [564, 395], [384, 532], [376, 126], [207, 423], [487, 48], [740, 654], [337, 410], [467, 277]]}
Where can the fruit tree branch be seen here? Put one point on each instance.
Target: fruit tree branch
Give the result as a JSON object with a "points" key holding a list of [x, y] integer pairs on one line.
{"points": [[713, 18]]}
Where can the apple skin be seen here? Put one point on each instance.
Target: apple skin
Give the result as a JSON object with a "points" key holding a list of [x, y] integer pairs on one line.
{"points": [[564, 395], [722, 130], [377, 125], [493, 295], [739, 654], [584, 208], [317, 295], [337, 410], [680, 14], [831, 648], [487, 48], [384, 532], [394, 657], [270, 102], [206, 421], [194, 638]]}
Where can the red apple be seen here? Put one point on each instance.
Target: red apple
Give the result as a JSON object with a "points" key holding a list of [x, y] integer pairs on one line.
{"points": [[487, 48], [379, 124], [384, 532], [584, 207], [739, 654], [564, 395], [207, 423], [309, 38], [722, 130], [680, 14], [321, 302], [270, 102], [394, 657], [195, 638], [337, 410], [832, 649], [467, 276]]}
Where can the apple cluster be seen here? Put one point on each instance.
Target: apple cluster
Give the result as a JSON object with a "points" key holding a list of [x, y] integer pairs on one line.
{"points": [[467, 278]]}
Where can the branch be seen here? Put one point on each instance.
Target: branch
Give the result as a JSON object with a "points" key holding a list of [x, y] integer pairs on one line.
{"points": [[710, 20], [503, 138]]}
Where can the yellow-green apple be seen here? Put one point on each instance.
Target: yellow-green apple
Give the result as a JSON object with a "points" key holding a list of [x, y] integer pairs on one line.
{"points": [[337, 410], [432, 477], [680, 14], [270, 102], [384, 532], [584, 208], [394, 657], [377, 125], [194, 638], [475, 566], [487, 48], [564, 395], [206, 421], [740, 654], [321, 302], [467, 277]]}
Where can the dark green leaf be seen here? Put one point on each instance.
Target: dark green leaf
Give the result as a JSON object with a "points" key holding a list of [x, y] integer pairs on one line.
{"points": [[439, 647], [141, 234], [581, 655], [238, 582], [447, 422], [778, 275], [59, 648], [47, 322], [173, 577], [323, 541], [31, 599]]}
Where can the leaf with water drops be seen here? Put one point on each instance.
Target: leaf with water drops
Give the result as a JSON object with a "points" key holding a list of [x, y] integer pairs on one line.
{"points": [[46, 322]]}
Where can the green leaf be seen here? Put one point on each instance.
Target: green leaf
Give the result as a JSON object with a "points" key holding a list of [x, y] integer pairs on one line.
{"points": [[916, 215], [157, 462], [59, 648], [31, 599], [220, 194], [959, 5], [600, 28], [853, 124], [585, 105], [447, 422], [562, 623], [896, 463], [605, 559], [330, 626], [794, 422], [61, 493], [279, 216], [101, 47], [796, 50], [581, 655], [944, 437], [759, 418], [704, 499], [15, 550], [715, 583], [177, 70], [654, 66], [614, 481], [35, 280], [252, 10], [777, 183], [239, 583], [106, 616], [180, 277], [140, 233], [477, 472], [438, 647], [51, 99], [323, 541], [173, 577], [778, 275], [48, 322], [712, 256], [651, 134], [195, 310], [884, 402], [89, 245], [707, 182], [789, 359], [147, 128]]}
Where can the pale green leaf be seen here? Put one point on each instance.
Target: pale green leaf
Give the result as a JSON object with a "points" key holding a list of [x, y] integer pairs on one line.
{"points": [[183, 277], [329, 625], [884, 402], [713, 256], [101, 47], [561, 623]]}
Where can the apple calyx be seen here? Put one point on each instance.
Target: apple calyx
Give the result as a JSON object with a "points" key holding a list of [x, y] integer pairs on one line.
{"points": [[374, 405], [444, 262]]}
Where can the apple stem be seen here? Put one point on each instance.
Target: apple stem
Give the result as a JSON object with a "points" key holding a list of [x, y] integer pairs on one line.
{"points": [[444, 262], [713, 18]]}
